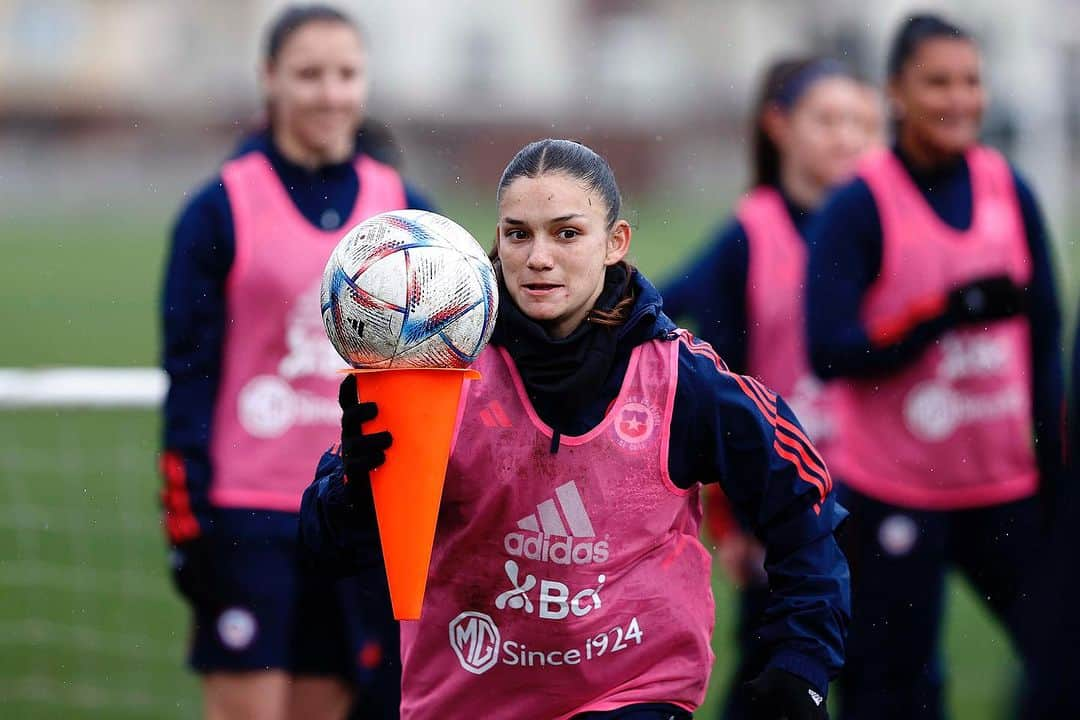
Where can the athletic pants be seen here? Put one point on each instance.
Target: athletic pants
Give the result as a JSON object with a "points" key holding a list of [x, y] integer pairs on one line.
{"points": [[899, 558]]}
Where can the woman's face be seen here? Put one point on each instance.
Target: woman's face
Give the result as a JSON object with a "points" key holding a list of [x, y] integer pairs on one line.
{"points": [[318, 86], [939, 96], [555, 245], [822, 136]]}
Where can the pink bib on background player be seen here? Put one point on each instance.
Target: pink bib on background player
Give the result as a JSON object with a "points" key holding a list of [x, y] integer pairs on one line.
{"points": [[954, 429], [776, 318], [562, 582], [276, 407]]}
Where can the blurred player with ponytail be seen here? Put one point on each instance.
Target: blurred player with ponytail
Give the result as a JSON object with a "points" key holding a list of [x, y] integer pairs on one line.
{"points": [[745, 294], [1052, 686], [931, 304], [253, 389]]}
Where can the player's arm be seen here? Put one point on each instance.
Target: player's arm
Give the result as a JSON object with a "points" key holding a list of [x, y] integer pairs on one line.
{"points": [[193, 328], [338, 529], [710, 292], [730, 429], [1044, 317], [333, 536], [845, 260]]}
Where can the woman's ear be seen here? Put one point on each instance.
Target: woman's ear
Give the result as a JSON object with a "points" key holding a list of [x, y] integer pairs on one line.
{"points": [[618, 242]]}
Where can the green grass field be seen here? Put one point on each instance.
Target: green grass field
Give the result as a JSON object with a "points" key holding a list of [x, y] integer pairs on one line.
{"points": [[89, 626]]}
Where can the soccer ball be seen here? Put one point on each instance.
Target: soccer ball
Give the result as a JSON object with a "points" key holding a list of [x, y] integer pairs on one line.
{"points": [[409, 288]]}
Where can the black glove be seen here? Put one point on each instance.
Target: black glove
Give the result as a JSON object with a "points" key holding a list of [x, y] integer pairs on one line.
{"points": [[360, 453], [991, 298], [193, 571], [779, 695]]}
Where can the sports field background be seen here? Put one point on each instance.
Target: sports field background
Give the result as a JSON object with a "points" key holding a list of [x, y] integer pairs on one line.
{"points": [[89, 625]]}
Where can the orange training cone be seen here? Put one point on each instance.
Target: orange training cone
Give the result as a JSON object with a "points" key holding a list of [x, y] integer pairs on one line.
{"points": [[419, 407]]}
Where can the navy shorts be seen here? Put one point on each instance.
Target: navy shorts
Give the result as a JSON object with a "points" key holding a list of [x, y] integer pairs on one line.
{"points": [[269, 611]]}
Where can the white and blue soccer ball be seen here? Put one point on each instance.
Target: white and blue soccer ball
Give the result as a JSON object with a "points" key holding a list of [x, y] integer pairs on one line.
{"points": [[409, 288]]}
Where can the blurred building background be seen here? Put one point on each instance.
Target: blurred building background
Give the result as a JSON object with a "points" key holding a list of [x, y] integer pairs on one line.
{"points": [[131, 98]]}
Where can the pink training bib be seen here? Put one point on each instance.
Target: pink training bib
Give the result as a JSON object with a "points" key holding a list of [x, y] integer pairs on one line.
{"points": [[776, 316], [276, 407], [567, 582], [954, 429]]}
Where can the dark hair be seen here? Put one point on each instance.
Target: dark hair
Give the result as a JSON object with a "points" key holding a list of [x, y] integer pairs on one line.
{"points": [[785, 82], [913, 32], [294, 17], [552, 156]]}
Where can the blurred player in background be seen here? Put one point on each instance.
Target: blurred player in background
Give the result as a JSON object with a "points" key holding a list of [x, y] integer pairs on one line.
{"points": [[745, 294], [931, 302], [1053, 683], [610, 418], [253, 389]]}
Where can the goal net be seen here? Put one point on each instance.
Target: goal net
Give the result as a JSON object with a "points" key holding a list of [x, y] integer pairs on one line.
{"points": [[89, 624]]}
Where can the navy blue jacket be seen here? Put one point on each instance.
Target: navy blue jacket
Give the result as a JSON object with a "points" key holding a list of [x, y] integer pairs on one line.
{"points": [[710, 291], [193, 303], [719, 433], [845, 259]]}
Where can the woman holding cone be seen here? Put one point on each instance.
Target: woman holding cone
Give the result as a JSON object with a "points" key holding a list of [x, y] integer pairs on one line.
{"points": [[745, 293], [931, 303], [243, 346], [608, 418]]}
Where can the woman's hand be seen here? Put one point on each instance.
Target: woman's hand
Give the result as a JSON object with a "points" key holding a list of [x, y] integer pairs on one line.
{"points": [[360, 453], [986, 299], [779, 695], [742, 557]]}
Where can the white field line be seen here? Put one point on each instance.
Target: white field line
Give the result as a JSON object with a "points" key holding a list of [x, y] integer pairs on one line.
{"points": [[82, 387]]}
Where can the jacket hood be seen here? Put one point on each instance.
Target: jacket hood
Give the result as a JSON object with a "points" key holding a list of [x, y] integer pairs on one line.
{"points": [[647, 319]]}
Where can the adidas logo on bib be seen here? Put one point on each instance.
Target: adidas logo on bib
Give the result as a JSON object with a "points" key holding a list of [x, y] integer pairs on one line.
{"points": [[560, 532]]}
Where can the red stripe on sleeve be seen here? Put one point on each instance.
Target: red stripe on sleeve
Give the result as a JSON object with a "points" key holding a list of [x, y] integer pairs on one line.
{"points": [[790, 444], [794, 460], [741, 382], [767, 396], [701, 348], [807, 463], [817, 462]]}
